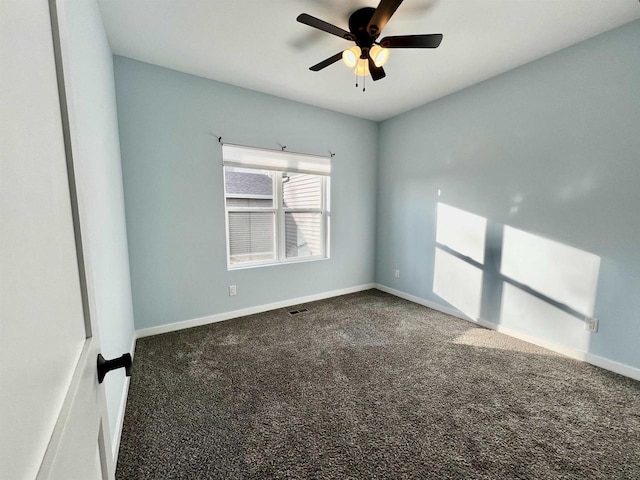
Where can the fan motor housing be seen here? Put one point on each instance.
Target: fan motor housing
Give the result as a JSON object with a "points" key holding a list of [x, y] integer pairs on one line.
{"points": [[358, 22]]}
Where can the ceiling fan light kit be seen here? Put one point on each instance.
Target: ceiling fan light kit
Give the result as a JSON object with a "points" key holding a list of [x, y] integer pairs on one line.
{"points": [[351, 55], [362, 68], [365, 25], [379, 54]]}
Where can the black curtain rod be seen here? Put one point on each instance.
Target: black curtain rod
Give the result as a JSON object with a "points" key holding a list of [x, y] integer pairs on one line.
{"points": [[282, 148]]}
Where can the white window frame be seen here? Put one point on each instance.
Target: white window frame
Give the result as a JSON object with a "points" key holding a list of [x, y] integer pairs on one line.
{"points": [[278, 209]]}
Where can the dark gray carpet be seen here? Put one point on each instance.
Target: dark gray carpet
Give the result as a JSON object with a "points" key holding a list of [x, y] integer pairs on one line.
{"points": [[371, 386]]}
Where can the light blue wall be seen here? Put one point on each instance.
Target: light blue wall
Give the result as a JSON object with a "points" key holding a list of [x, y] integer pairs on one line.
{"points": [[174, 192], [562, 133], [89, 75]]}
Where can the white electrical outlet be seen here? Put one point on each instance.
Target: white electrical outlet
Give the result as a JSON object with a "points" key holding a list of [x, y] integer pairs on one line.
{"points": [[397, 273], [591, 324], [232, 290]]}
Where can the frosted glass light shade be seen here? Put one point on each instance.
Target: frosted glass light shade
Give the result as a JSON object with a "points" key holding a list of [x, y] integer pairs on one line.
{"points": [[362, 69], [350, 56], [379, 55]]}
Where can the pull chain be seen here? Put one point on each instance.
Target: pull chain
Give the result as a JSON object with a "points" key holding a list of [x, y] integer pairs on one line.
{"points": [[364, 78]]}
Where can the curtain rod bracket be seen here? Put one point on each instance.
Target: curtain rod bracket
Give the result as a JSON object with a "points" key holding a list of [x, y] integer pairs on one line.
{"points": [[332, 154], [282, 146]]}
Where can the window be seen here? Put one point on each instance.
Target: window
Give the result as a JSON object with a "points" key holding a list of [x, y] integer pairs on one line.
{"points": [[276, 206]]}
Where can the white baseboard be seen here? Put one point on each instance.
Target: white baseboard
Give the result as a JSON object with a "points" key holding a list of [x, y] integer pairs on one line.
{"points": [[421, 301], [611, 365], [219, 317], [123, 406]]}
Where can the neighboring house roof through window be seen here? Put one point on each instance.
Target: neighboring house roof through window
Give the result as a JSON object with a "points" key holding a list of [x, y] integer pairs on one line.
{"points": [[248, 185]]}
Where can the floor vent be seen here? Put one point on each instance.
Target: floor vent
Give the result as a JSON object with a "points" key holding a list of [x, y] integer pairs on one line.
{"points": [[297, 312]]}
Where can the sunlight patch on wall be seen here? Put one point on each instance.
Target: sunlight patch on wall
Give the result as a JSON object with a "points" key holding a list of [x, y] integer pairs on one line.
{"points": [[560, 272], [530, 314], [458, 283], [461, 231]]}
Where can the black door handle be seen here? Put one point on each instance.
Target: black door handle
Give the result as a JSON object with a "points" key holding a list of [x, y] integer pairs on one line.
{"points": [[105, 366]]}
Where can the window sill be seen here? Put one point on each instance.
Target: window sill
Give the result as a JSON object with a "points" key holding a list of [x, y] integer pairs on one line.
{"points": [[275, 264]]}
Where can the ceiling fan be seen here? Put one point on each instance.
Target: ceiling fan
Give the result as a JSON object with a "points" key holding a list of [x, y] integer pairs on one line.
{"points": [[365, 26]]}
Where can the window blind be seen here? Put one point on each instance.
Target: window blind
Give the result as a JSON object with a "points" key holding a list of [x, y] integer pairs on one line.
{"points": [[249, 157], [251, 236]]}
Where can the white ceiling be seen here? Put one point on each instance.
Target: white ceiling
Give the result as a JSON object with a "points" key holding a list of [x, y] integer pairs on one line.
{"points": [[258, 44]]}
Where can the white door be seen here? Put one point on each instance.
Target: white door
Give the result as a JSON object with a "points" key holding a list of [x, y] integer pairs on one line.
{"points": [[53, 422]]}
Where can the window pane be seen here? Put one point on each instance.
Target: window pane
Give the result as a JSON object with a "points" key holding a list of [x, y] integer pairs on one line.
{"points": [[247, 187], [303, 234], [251, 236], [300, 190]]}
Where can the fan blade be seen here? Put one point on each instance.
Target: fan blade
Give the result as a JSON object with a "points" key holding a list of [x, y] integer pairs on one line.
{"points": [[412, 41], [325, 63], [376, 72], [386, 8], [324, 26]]}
